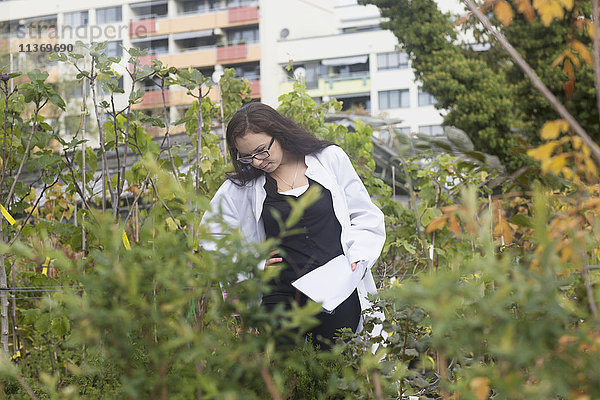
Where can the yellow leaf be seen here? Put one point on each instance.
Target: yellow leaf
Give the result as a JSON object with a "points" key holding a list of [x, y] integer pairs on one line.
{"points": [[525, 8], [558, 60], [481, 387], [548, 10], [566, 254], [542, 152], [550, 130], [585, 150], [436, 224], [555, 164], [590, 30], [567, 3], [583, 51], [567, 173], [590, 166], [577, 142], [504, 12]]}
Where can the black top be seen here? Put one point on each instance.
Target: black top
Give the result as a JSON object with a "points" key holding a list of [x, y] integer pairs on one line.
{"points": [[317, 243]]}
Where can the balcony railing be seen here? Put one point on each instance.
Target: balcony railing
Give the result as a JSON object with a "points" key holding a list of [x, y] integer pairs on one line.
{"points": [[331, 80], [203, 11], [141, 28], [232, 52], [197, 48], [241, 14], [154, 98]]}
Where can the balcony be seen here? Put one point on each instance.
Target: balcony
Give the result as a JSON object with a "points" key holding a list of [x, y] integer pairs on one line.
{"points": [[174, 96], [228, 53], [335, 85], [142, 28], [153, 98], [192, 22], [331, 80], [242, 14], [202, 57], [147, 60]]}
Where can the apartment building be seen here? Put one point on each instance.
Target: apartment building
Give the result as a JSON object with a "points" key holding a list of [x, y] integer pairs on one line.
{"points": [[209, 35], [339, 49], [336, 46]]}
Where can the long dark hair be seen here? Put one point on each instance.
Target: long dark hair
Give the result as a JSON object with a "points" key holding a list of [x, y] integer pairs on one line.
{"points": [[257, 117]]}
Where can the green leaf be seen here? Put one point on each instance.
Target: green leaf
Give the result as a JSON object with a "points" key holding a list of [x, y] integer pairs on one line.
{"points": [[37, 75], [60, 325], [522, 220]]}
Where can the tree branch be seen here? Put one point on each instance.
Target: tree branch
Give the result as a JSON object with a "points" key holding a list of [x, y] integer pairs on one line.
{"points": [[535, 80], [596, 52]]}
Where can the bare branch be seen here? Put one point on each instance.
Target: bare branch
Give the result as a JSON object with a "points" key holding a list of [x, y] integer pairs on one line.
{"points": [[106, 178], [535, 80], [18, 175], [268, 379], [596, 52]]}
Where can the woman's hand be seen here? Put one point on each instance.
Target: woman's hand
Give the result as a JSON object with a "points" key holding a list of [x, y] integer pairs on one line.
{"points": [[273, 260]]}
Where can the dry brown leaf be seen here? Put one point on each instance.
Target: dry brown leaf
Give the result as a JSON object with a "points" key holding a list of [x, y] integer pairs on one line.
{"points": [[525, 8], [583, 51], [480, 386], [504, 12], [454, 226], [437, 223]]}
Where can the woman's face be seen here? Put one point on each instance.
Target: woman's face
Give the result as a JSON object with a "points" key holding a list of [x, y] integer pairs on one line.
{"points": [[252, 143]]}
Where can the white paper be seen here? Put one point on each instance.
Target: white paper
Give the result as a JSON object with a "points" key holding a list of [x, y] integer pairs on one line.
{"points": [[331, 283]]}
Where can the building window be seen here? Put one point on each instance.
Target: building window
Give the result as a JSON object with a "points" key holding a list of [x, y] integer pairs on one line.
{"points": [[241, 3], [242, 36], [149, 10], [75, 19], [247, 71], [357, 104], [425, 99], [109, 15], [114, 49], [394, 60], [393, 99], [160, 46], [120, 82], [200, 6], [431, 130], [404, 130]]}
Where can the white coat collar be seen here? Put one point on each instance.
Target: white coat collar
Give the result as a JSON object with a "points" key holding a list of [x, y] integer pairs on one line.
{"points": [[315, 170]]}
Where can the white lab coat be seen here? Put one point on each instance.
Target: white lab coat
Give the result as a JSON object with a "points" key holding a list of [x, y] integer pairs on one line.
{"points": [[363, 230]]}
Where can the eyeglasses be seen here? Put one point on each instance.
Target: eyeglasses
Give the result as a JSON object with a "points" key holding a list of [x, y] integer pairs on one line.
{"points": [[261, 155]]}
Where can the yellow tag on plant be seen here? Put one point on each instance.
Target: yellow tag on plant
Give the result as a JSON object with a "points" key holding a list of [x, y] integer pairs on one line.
{"points": [[8, 217], [126, 241], [45, 266]]}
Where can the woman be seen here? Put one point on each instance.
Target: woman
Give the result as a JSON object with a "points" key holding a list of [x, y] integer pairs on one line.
{"points": [[275, 159]]}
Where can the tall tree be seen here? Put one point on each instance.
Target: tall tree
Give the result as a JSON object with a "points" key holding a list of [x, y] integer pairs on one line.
{"points": [[484, 92]]}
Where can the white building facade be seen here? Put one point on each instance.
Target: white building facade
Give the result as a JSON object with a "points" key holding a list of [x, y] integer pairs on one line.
{"points": [[342, 52]]}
